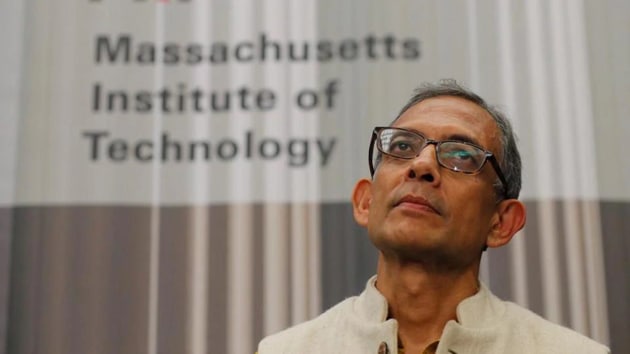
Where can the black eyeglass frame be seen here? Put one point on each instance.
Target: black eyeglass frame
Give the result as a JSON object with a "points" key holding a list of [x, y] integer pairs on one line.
{"points": [[488, 156]]}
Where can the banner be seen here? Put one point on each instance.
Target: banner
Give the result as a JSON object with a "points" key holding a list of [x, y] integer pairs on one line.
{"points": [[181, 90], [177, 173]]}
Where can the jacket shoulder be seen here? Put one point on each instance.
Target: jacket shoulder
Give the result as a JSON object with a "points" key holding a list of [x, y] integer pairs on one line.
{"points": [[311, 334], [551, 336]]}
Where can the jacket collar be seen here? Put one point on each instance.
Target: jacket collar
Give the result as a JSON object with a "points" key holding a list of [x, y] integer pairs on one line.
{"points": [[478, 311]]}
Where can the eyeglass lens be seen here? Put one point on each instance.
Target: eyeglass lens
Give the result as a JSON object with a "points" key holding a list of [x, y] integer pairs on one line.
{"points": [[457, 156]]}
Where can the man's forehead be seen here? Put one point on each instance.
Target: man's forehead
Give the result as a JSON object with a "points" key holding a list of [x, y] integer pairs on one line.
{"points": [[436, 107], [446, 116]]}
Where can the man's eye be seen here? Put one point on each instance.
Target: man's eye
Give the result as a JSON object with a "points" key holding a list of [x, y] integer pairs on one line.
{"points": [[400, 146], [460, 155], [462, 159]]}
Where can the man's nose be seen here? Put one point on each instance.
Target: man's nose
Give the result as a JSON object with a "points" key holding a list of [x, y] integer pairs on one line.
{"points": [[425, 166]]}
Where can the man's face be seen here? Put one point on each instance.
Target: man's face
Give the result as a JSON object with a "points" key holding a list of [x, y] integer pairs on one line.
{"points": [[424, 212]]}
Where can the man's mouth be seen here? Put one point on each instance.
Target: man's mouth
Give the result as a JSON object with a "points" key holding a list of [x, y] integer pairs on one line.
{"points": [[416, 202]]}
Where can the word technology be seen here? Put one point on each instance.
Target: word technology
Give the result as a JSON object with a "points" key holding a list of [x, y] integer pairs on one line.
{"points": [[296, 151]]}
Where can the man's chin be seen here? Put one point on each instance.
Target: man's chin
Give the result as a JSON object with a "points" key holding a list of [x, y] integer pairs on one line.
{"points": [[411, 251]]}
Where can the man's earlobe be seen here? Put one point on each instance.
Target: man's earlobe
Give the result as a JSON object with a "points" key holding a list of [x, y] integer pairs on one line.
{"points": [[361, 200], [507, 221]]}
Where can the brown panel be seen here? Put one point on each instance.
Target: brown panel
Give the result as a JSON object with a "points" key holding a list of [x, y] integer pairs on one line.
{"points": [[79, 275], [616, 241], [534, 262], [218, 250], [258, 285], [6, 220], [500, 271], [79, 280], [561, 235], [175, 234], [348, 256]]}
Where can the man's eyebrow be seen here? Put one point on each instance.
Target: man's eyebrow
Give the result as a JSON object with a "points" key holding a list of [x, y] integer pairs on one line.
{"points": [[458, 137], [464, 138]]}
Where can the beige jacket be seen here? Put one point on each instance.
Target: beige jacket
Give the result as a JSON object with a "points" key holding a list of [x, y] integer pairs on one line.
{"points": [[485, 325]]}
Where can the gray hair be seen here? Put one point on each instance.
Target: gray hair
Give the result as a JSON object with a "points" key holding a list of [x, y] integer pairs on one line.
{"points": [[510, 158]]}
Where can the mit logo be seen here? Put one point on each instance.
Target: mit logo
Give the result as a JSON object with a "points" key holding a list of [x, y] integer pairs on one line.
{"points": [[151, 1]]}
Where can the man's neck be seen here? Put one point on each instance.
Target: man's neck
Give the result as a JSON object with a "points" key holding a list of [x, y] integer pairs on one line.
{"points": [[422, 301]]}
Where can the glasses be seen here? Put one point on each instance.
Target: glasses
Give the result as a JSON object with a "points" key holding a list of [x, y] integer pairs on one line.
{"points": [[458, 156]]}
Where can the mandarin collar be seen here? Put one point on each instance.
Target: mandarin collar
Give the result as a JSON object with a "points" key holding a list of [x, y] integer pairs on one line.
{"points": [[477, 311]]}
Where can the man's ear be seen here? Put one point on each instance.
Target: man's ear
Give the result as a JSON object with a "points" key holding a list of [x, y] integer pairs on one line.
{"points": [[509, 218], [361, 199]]}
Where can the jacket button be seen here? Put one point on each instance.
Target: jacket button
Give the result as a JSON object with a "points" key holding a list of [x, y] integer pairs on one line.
{"points": [[383, 349]]}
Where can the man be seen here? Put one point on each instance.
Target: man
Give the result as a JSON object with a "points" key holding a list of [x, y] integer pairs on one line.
{"points": [[446, 176]]}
